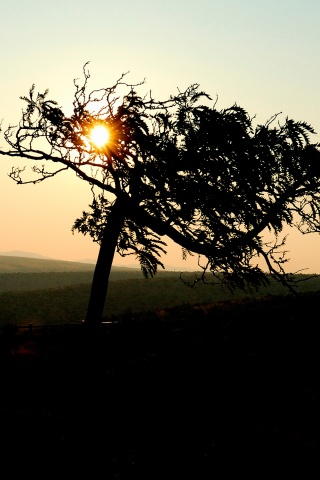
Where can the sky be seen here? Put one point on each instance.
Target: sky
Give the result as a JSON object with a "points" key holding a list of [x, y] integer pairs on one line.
{"points": [[264, 56]]}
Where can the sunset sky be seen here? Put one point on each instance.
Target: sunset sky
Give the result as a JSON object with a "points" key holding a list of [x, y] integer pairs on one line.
{"points": [[262, 55]]}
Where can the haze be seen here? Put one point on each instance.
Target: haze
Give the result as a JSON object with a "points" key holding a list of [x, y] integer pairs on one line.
{"points": [[262, 55]]}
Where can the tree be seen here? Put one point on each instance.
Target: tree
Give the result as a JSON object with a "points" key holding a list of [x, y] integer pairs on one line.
{"points": [[207, 179]]}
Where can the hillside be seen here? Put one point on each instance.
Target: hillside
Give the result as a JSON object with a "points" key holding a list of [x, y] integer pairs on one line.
{"points": [[41, 291], [24, 274], [15, 264]]}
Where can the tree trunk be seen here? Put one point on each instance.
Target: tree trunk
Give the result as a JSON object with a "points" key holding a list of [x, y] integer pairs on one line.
{"points": [[103, 266]]}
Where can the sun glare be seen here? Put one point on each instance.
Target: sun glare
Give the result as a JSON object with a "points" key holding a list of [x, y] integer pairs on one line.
{"points": [[99, 135]]}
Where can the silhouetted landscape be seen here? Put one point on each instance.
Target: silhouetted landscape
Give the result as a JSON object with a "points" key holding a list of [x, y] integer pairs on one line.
{"points": [[224, 390], [159, 135]]}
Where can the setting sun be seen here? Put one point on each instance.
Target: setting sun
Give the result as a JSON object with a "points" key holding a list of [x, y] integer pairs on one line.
{"points": [[99, 135]]}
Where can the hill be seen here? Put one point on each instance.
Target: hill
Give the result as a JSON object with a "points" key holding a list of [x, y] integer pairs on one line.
{"points": [[15, 264], [41, 291], [20, 253]]}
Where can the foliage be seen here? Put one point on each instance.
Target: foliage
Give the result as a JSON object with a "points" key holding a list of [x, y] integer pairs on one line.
{"points": [[133, 239], [209, 180]]}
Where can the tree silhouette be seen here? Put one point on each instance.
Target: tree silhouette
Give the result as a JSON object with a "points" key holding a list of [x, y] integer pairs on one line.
{"points": [[207, 179]]}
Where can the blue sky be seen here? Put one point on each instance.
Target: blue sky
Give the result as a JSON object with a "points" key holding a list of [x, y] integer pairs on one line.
{"points": [[262, 55]]}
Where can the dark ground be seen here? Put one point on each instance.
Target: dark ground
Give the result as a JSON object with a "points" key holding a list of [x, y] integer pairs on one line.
{"points": [[230, 392]]}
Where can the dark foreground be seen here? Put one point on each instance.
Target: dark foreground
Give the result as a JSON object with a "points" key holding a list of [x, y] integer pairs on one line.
{"points": [[224, 393]]}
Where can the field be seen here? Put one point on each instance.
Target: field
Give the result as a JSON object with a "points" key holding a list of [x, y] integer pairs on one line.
{"points": [[227, 388]]}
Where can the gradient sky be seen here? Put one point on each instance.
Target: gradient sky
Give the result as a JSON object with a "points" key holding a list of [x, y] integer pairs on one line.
{"points": [[262, 55]]}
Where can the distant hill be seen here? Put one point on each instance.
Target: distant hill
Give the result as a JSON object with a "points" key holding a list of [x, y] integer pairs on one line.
{"points": [[19, 253], [26, 274], [20, 264], [88, 260]]}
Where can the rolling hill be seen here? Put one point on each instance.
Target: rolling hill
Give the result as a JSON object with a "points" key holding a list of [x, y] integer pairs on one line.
{"points": [[17, 264]]}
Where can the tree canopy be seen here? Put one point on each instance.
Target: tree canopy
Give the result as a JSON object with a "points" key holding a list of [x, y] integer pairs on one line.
{"points": [[208, 179]]}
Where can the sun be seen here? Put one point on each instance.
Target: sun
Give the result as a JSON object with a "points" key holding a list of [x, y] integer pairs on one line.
{"points": [[99, 135]]}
